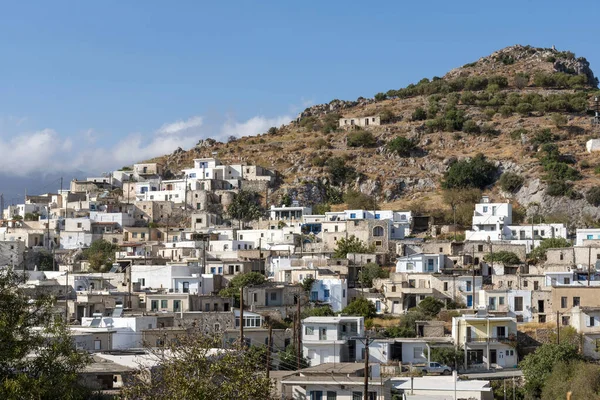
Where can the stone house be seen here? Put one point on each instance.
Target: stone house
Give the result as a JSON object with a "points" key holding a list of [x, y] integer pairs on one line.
{"points": [[351, 122]]}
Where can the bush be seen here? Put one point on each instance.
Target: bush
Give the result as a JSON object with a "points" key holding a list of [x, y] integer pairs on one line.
{"points": [[524, 109], [369, 272], [559, 188], [504, 257], [360, 307], [521, 80], [320, 144], [380, 96], [401, 146], [471, 126], [474, 173], [559, 120], [272, 131], [386, 115], [593, 196], [419, 114], [430, 306], [510, 182], [506, 111], [539, 253], [361, 139], [339, 172], [517, 133], [468, 98], [359, 201]]}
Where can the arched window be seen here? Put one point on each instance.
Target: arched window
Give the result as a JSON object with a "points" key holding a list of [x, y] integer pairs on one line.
{"points": [[378, 231]]}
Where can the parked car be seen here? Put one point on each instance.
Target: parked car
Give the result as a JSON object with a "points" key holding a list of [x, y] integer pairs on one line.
{"points": [[436, 368]]}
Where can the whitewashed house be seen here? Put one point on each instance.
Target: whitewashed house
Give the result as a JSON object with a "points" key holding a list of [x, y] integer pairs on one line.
{"points": [[331, 339], [332, 291], [422, 263]]}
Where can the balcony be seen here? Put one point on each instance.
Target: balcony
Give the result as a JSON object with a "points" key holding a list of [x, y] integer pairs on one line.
{"points": [[494, 339]]}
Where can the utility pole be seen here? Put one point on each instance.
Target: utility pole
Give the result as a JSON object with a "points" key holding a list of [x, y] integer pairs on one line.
{"points": [[557, 329], [67, 297], [269, 345], [1, 206], [299, 334], [473, 288], [366, 368], [589, 264], [242, 317]]}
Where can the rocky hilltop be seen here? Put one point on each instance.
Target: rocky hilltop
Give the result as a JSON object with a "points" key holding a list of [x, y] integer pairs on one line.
{"points": [[526, 109]]}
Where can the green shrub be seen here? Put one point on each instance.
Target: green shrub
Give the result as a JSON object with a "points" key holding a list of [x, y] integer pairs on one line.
{"points": [[584, 164], [401, 146], [468, 97], [339, 172], [320, 144], [361, 139], [542, 136], [474, 173], [521, 80], [386, 115], [550, 59], [510, 181], [419, 114], [504, 257], [593, 196], [476, 83], [380, 96], [470, 126], [560, 171], [524, 108], [506, 111], [517, 133], [560, 188], [559, 120], [356, 200], [499, 80]]}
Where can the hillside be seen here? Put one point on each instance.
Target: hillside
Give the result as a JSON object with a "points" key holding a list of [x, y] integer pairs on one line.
{"points": [[510, 106]]}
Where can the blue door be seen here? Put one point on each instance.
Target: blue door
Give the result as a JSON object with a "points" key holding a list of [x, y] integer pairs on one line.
{"points": [[470, 300], [378, 306]]}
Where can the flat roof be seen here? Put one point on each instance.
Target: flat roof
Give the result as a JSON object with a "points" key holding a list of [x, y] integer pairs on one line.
{"points": [[441, 383], [332, 380], [342, 368], [325, 320]]}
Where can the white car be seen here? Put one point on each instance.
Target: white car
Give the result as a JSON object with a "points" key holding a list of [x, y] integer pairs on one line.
{"points": [[436, 368]]}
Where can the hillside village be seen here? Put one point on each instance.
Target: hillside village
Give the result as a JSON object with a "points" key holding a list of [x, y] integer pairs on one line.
{"points": [[345, 273]]}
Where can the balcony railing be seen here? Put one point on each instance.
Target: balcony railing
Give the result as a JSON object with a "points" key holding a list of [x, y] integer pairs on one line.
{"points": [[493, 339]]}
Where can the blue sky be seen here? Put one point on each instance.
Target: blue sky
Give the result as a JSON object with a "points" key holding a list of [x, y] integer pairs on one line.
{"points": [[93, 86]]}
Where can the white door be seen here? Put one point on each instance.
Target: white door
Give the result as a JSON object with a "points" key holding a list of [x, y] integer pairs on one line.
{"points": [[396, 309]]}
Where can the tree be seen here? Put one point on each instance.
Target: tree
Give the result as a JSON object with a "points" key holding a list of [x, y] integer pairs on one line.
{"points": [[307, 283], [538, 365], [504, 257], [339, 172], [38, 359], [245, 207], [419, 114], [449, 356], [386, 115], [356, 200], [474, 173], [361, 307], [430, 306], [31, 216], [272, 131], [369, 272], [380, 96], [580, 378], [539, 253], [100, 255], [462, 202], [351, 245], [401, 146], [240, 281], [288, 359], [189, 368], [593, 196], [321, 208], [319, 311], [510, 182], [361, 139]]}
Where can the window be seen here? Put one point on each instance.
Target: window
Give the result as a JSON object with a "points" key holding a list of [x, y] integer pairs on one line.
{"points": [[377, 216], [142, 281], [176, 305], [273, 296], [378, 243], [479, 247], [217, 327], [316, 395], [469, 286], [79, 224], [314, 296], [255, 297], [154, 305], [485, 209], [164, 303], [357, 395], [518, 303], [417, 352], [372, 396], [542, 319], [309, 330], [591, 321], [501, 300], [352, 215], [525, 284], [97, 344], [536, 285], [576, 301], [566, 281], [393, 288], [561, 256], [331, 395], [563, 302], [409, 266], [501, 331], [430, 265], [326, 293], [566, 320]]}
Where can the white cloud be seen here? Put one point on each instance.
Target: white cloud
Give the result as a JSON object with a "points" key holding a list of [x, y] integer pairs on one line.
{"points": [[181, 126], [253, 126], [46, 151]]}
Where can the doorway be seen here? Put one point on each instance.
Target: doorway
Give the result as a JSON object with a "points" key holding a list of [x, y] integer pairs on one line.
{"points": [[493, 356]]}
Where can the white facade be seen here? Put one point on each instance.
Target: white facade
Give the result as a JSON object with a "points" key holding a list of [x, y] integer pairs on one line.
{"points": [[288, 213], [586, 234], [123, 219], [266, 237], [332, 291], [592, 145], [127, 330], [175, 278], [420, 263], [325, 339]]}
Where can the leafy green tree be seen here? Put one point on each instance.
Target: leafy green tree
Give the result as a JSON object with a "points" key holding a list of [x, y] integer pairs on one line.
{"points": [[351, 245], [538, 365], [31, 216], [386, 115], [360, 307], [474, 173], [430, 306], [321, 208], [245, 207], [319, 311], [307, 283], [356, 200], [288, 359], [100, 255], [369, 272], [240, 281], [504, 257], [187, 369], [380, 96], [419, 114], [593, 196], [539, 253], [361, 139], [449, 356], [38, 359], [580, 378], [401, 146], [339, 172], [511, 182], [399, 332]]}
